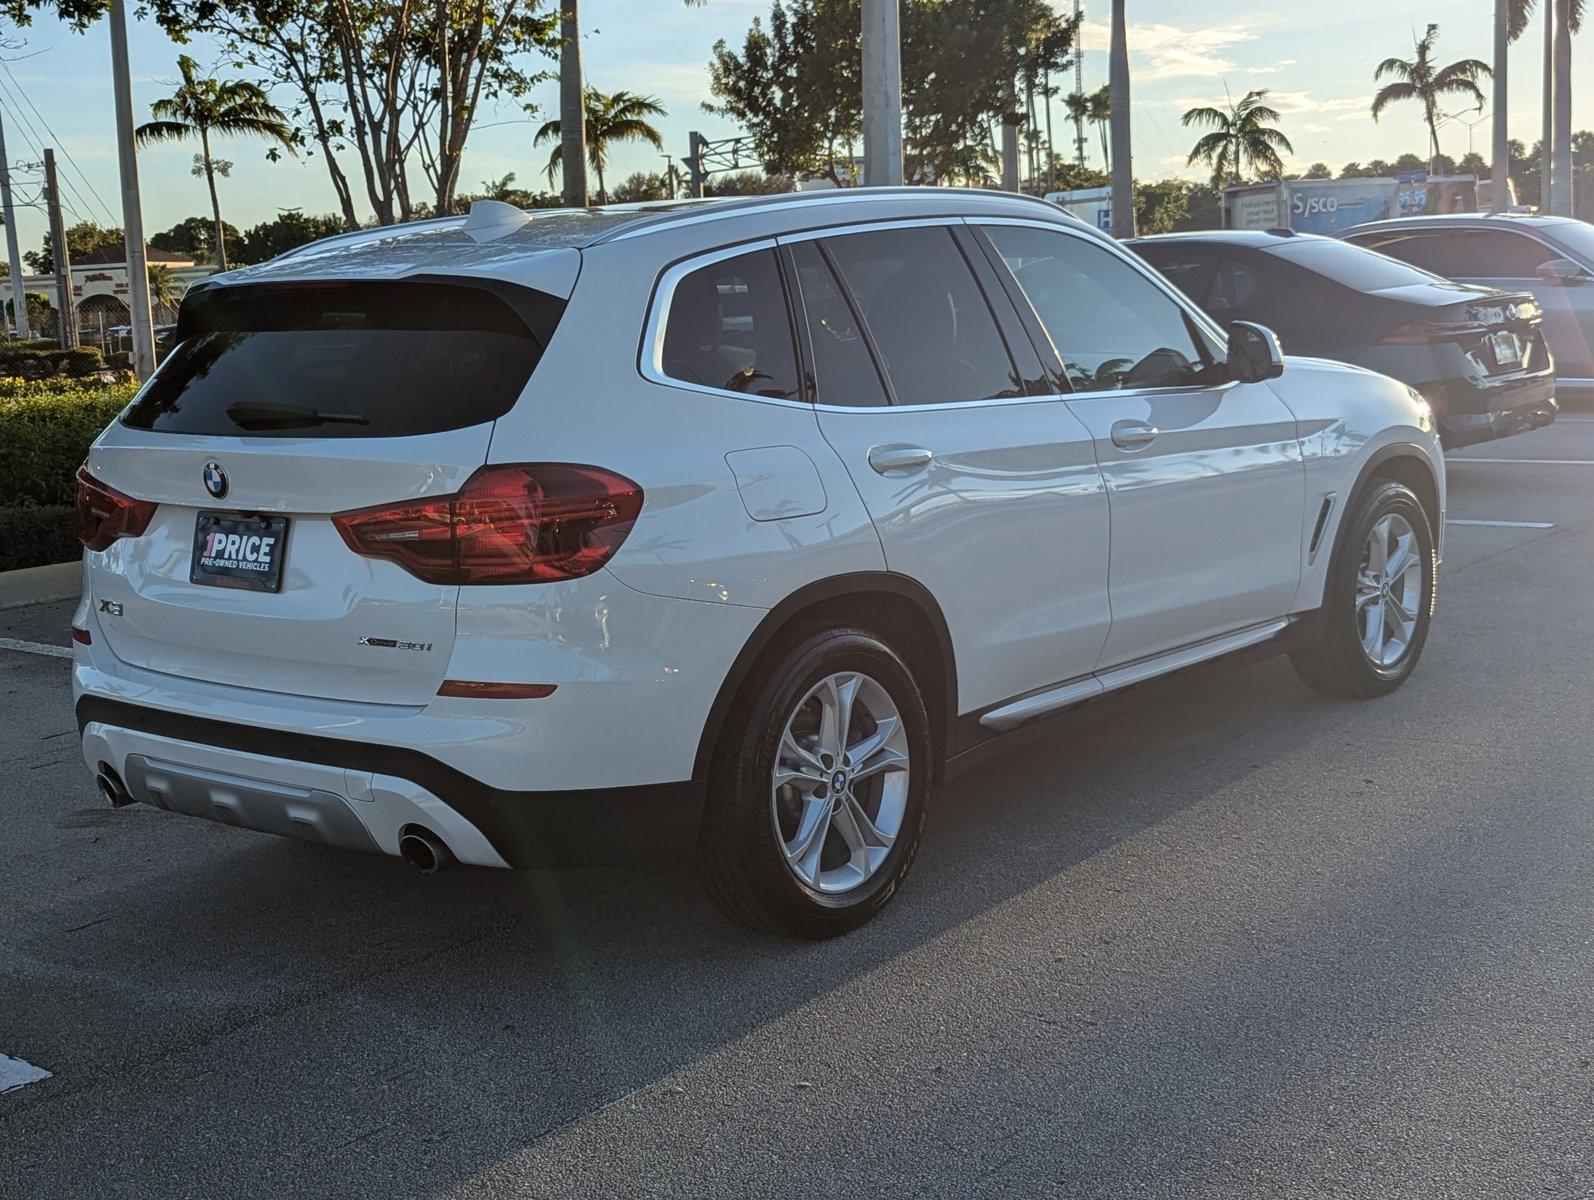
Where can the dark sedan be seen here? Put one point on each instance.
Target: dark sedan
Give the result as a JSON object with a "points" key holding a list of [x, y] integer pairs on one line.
{"points": [[1478, 356]]}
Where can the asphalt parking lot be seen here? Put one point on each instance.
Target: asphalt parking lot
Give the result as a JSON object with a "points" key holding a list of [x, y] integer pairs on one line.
{"points": [[1217, 937]]}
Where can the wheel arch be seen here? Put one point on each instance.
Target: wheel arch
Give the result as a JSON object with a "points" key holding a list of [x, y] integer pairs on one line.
{"points": [[896, 607], [1400, 463]]}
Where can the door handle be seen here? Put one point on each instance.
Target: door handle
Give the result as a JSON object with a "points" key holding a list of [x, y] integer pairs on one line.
{"points": [[899, 460], [1133, 435]]}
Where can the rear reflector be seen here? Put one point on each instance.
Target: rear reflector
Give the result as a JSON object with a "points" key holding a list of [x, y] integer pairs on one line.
{"points": [[105, 514], [472, 690], [516, 523], [82, 636]]}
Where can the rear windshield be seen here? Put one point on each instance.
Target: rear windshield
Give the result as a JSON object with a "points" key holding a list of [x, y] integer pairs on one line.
{"points": [[1355, 266], [340, 360]]}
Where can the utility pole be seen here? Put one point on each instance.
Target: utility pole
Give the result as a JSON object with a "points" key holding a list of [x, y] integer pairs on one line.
{"points": [[19, 299], [1079, 82], [1546, 153], [882, 93], [1123, 174], [1499, 179], [66, 306], [132, 210]]}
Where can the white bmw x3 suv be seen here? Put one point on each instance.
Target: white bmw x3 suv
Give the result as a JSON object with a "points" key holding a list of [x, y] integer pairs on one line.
{"points": [[727, 529]]}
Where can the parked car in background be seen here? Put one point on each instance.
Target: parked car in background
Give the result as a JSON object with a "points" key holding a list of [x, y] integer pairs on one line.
{"points": [[1550, 257], [725, 528], [1477, 355]]}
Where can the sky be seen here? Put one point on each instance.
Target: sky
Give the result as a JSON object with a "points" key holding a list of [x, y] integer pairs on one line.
{"points": [[1315, 57]]}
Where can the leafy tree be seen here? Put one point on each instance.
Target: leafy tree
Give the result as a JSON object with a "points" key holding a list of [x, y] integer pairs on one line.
{"points": [[400, 84], [286, 231], [1241, 137], [194, 237], [1472, 163], [641, 185], [748, 183], [616, 117], [1319, 170], [504, 190], [1419, 78], [82, 240], [203, 107]]}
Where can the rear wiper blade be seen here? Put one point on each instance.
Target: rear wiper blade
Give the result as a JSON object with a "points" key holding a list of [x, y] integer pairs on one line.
{"points": [[287, 416]]}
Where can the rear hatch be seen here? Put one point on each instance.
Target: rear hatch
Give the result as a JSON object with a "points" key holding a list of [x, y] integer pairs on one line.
{"points": [[281, 406]]}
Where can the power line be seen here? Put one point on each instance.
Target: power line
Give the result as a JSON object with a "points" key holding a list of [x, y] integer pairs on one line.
{"points": [[72, 162]]}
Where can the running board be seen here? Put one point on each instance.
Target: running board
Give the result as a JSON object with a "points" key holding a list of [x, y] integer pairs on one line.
{"points": [[1020, 712]]}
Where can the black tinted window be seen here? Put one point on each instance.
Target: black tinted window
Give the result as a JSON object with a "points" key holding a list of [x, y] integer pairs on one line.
{"points": [[1354, 266], [1112, 327], [844, 370], [927, 316], [1238, 289], [1190, 272], [360, 360], [1469, 254], [729, 328]]}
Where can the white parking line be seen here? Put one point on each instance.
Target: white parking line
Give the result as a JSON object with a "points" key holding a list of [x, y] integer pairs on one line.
{"points": [[1503, 524], [15, 1073], [35, 648], [1521, 462]]}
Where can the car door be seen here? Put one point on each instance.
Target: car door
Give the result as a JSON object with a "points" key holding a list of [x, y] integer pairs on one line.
{"points": [[1205, 478], [983, 487]]}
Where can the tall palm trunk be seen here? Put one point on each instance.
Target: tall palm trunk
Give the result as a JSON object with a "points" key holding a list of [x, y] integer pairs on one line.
{"points": [[1106, 159], [1123, 181], [1562, 195], [572, 111], [215, 201], [1501, 174], [1547, 140]]}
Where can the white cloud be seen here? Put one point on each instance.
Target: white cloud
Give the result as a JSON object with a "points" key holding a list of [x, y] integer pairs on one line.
{"points": [[1169, 52]]}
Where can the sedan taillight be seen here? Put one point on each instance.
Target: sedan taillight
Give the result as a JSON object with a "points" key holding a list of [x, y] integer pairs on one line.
{"points": [[105, 514], [516, 523]]}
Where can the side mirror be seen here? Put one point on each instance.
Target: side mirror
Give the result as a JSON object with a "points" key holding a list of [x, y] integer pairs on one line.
{"points": [[1254, 353], [1562, 272]]}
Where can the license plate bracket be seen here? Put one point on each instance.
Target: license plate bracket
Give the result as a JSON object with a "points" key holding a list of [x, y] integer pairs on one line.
{"points": [[238, 550], [1507, 349]]}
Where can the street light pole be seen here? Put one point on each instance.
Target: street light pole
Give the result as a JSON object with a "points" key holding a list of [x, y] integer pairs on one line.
{"points": [[1499, 179], [132, 212], [1123, 174], [882, 93], [19, 299]]}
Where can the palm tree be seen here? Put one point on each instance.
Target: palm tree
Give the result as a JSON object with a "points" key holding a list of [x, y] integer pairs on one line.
{"points": [[1077, 105], [1099, 114], [1241, 136], [617, 117], [202, 106], [1568, 16], [1419, 79], [1510, 23], [164, 291]]}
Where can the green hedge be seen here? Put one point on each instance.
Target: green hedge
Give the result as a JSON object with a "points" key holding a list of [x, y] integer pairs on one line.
{"points": [[45, 431], [24, 360]]}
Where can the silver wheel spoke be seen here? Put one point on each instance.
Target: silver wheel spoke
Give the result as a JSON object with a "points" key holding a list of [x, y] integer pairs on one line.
{"points": [[836, 701], [1373, 638], [1389, 588], [857, 830], [804, 851]]}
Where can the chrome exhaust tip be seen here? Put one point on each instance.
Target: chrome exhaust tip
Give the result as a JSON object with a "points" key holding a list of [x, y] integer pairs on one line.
{"points": [[111, 787], [425, 851]]}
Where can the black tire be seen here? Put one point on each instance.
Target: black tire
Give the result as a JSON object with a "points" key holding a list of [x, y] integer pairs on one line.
{"points": [[1335, 663], [740, 854]]}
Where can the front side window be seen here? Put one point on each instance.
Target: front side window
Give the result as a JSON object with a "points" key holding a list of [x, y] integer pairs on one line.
{"points": [[930, 322], [728, 328], [1112, 327]]}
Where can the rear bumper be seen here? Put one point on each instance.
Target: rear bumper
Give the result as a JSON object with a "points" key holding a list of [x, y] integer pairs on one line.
{"points": [[1481, 414], [358, 795]]}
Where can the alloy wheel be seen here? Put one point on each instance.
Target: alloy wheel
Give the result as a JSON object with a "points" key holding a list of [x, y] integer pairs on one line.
{"points": [[840, 783], [1389, 588]]}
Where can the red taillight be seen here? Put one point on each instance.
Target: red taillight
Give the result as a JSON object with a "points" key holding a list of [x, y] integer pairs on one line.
{"points": [[105, 514], [517, 523]]}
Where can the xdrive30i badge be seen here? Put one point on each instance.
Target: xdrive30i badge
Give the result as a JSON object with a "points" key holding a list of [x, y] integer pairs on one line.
{"points": [[215, 479], [391, 644]]}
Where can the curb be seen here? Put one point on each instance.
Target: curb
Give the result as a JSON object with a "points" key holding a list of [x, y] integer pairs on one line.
{"points": [[40, 585]]}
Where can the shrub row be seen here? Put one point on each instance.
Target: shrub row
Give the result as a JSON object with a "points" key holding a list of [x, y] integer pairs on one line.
{"points": [[27, 361], [45, 431]]}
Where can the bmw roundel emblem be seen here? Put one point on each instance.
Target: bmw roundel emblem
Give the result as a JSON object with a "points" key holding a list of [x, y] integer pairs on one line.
{"points": [[215, 479]]}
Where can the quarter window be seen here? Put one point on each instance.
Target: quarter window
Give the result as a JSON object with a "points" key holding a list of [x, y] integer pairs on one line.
{"points": [[1467, 253], [729, 328], [1112, 327], [929, 320]]}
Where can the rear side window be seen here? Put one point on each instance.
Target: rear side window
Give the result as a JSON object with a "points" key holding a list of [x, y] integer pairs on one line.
{"points": [[935, 333], [389, 359], [844, 370], [1190, 272], [1469, 254], [729, 328]]}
